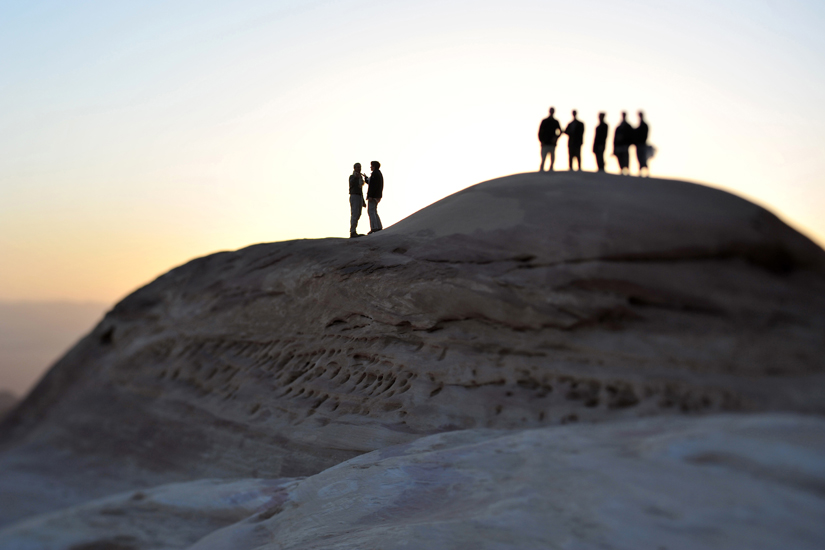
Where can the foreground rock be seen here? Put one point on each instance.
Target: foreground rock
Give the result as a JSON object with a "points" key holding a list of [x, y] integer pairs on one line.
{"points": [[170, 516], [722, 482], [522, 302]]}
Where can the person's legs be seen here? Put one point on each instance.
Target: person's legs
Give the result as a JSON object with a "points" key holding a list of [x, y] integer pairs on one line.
{"points": [[545, 151], [577, 154], [372, 211], [641, 156], [355, 213], [624, 161], [599, 159]]}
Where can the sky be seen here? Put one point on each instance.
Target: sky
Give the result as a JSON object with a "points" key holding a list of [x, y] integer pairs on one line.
{"points": [[138, 135]]}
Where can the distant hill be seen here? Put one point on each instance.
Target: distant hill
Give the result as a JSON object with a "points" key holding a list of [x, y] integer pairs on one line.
{"points": [[33, 335]]}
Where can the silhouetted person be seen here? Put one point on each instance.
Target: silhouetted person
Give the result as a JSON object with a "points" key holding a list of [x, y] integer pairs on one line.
{"points": [[356, 198], [575, 137], [374, 194], [600, 142], [641, 133], [549, 132], [623, 138]]}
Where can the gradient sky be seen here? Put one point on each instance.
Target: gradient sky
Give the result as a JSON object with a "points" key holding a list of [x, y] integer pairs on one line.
{"points": [[138, 135]]}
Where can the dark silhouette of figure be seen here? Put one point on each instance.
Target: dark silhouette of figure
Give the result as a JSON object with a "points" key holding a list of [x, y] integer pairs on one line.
{"points": [[374, 194], [575, 137], [640, 141], [623, 138], [356, 199], [549, 132], [600, 142]]}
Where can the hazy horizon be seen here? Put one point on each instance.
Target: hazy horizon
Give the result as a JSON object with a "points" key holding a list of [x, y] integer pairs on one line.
{"points": [[33, 335]]}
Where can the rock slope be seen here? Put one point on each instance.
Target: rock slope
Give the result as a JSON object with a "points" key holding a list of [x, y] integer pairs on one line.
{"points": [[528, 301], [7, 402], [717, 482]]}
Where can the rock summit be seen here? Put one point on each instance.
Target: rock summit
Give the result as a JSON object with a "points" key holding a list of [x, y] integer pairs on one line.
{"points": [[531, 313]]}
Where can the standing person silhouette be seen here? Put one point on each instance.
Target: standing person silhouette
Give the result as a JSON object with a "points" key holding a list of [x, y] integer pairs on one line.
{"points": [[600, 142], [356, 199], [374, 194], [549, 132], [640, 141], [575, 137], [623, 138]]}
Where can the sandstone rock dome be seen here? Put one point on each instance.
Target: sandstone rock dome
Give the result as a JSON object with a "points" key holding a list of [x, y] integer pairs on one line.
{"points": [[520, 303]]}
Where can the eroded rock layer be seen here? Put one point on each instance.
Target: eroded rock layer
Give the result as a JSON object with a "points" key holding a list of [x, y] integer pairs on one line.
{"points": [[526, 301]]}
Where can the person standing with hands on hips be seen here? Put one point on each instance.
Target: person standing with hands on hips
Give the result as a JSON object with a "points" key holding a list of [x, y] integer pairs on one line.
{"points": [[374, 194]]}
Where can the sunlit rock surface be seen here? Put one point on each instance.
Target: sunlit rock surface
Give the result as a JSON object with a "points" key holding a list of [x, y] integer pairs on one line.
{"points": [[170, 516], [528, 301], [720, 482]]}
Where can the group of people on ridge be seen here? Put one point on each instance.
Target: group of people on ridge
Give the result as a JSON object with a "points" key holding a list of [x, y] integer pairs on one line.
{"points": [[356, 197], [550, 130], [624, 137]]}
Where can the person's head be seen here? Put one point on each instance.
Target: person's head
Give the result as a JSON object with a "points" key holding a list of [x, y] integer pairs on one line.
{"points": [[641, 116], [375, 165], [574, 113], [552, 111], [624, 115], [601, 117], [357, 167]]}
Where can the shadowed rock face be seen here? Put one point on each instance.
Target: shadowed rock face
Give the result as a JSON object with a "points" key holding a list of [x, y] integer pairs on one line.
{"points": [[526, 301], [7, 402]]}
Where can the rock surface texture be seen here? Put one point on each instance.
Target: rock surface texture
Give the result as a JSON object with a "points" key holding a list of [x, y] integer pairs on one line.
{"points": [[723, 481], [521, 303]]}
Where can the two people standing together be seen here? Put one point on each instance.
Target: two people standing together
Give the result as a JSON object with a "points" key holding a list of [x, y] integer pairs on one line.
{"points": [[356, 197], [549, 133], [625, 136]]}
